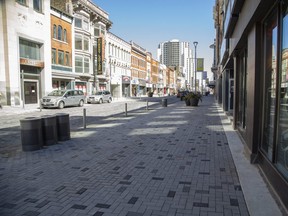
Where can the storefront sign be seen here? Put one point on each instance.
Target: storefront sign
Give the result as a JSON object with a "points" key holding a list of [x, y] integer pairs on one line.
{"points": [[99, 56], [126, 79], [31, 62]]}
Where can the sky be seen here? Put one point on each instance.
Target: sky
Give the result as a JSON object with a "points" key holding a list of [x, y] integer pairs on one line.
{"points": [[150, 22]]}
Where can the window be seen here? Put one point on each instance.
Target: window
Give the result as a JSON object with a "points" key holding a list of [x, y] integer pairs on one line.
{"points": [[282, 144], [59, 36], [29, 49], [270, 40], [54, 31], [37, 5], [67, 59], [78, 42], [86, 65], [82, 22], [85, 24], [86, 44], [99, 30], [78, 64], [60, 57], [241, 114], [78, 22], [65, 35], [22, 2], [53, 55]]}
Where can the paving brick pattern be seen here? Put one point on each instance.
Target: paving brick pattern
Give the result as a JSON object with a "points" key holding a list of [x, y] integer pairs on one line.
{"points": [[171, 160]]}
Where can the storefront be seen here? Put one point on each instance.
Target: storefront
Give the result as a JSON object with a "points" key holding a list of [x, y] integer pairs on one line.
{"points": [[126, 92], [31, 66]]}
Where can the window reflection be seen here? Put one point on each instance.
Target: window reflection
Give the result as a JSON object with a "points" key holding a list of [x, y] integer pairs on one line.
{"points": [[282, 147], [271, 30]]}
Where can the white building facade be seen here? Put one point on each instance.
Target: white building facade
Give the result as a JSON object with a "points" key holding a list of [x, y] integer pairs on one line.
{"points": [[90, 29], [25, 53], [118, 55]]}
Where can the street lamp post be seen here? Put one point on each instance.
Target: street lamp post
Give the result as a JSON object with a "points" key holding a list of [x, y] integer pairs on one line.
{"points": [[195, 78]]}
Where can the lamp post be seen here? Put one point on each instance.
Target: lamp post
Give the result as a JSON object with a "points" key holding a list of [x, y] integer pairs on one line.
{"points": [[195, 78]]}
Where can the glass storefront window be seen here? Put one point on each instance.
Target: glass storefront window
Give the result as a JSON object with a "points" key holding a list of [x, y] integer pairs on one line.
{"points": [[282, 144], [270, 44]]}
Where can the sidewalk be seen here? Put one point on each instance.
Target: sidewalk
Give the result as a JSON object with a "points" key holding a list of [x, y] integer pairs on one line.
{"points": [[173, 160]]}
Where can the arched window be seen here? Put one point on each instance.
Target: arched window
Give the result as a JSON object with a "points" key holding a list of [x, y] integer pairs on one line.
{"points": [[59, 33], [54, 31], [65, 35]]}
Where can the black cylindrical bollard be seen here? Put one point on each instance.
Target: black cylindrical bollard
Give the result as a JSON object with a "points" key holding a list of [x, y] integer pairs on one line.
{"points": [[84, 118], [164, 102], [126, 109], [63, 126], [49, 129], [31, 134]]}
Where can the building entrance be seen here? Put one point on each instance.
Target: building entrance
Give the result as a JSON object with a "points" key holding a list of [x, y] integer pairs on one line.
{"points": [[30, 92]]}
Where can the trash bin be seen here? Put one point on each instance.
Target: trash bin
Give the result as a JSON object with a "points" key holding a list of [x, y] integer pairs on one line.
{"points": [[49, 129], [31, 133], [63, 126], [164, 102]]}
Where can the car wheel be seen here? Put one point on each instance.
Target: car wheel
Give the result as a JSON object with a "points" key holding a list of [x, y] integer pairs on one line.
{"points": [[81, 103], [100, 101], [61, 105], [109, 100]]}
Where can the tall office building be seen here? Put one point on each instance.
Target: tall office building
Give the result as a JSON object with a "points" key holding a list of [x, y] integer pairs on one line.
{"points": [[179, 55]]}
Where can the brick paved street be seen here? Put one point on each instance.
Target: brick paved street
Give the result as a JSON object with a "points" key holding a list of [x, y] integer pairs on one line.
{"points": [[171, 160]]}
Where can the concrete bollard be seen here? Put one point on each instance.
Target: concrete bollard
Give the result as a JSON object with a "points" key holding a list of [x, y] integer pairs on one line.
{"points": [[126, 109]]}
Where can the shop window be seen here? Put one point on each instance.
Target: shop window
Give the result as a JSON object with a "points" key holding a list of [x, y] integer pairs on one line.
{"points": [[282, 144], [270, 91], [37, 5], [241, 114]]}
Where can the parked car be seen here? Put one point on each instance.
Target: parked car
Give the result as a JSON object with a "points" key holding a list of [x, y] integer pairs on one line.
{"points": [[63, 98], [100, 97]]}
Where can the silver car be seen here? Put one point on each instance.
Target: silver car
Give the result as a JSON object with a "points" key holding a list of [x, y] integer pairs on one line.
{"points": [[63, 98], [100, 97]]}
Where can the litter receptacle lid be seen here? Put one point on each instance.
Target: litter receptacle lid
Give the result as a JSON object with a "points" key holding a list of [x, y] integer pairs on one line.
{"points": [[47, 116], [61, 114], [31, 119]]}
